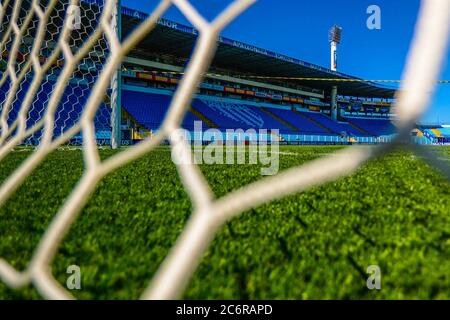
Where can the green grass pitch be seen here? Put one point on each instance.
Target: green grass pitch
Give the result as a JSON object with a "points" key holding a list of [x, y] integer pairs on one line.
{"points": [[393, 212]]}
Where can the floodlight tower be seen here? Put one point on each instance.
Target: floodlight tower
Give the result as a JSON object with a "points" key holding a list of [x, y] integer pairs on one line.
{"points": [[335, 37]]}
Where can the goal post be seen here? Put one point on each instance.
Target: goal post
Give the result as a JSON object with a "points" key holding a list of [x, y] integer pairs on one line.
{"points": [[116, 84]]}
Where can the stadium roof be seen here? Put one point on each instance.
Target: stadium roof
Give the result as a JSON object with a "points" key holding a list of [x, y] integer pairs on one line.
{"points": [[175, 39]]}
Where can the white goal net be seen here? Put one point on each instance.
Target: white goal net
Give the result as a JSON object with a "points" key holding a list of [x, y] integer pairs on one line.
{"points": [[57, 64], [35, 65]]}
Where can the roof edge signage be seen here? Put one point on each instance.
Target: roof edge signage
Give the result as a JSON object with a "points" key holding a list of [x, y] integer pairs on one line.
{"points": [[237, 44], [186, 29]]}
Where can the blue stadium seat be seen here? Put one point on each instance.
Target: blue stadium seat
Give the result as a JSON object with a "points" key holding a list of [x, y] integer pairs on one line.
{"points": [[338, 127], [376, 127], [67, 113], [150, 109], [304, 125], [238, 116]]}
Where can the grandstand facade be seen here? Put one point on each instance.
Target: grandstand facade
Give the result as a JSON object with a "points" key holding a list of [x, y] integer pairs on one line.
{"points": [[248, 88]]}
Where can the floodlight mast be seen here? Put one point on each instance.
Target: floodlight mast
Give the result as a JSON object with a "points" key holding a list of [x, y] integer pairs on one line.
{"points": [[335, 37]]}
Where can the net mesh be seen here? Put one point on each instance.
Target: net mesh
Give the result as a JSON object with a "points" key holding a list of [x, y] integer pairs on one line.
{"points": [[48, 66], [33, 62]]}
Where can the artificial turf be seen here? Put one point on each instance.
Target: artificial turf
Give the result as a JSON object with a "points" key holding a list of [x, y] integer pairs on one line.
{"points": [[393, 212]]}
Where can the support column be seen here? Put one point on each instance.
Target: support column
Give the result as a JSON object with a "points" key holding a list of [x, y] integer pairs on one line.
{"points": [[334, 104], [116, 87], [334, 59]]}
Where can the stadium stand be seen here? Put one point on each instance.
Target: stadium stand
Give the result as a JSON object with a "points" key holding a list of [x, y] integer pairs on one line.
{"points": [[68, 111], [226, 99], [437, 132], [150, 109], [445, 132], [337, 127], [375, 127], [238, 116], [302, 124], [429, 133]]}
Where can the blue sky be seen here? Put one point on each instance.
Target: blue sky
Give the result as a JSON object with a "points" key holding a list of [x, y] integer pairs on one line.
{"points": [[299, 29]]}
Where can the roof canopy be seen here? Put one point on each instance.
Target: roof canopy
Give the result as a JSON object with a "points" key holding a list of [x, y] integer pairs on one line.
{"points": [[174, 39]]}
